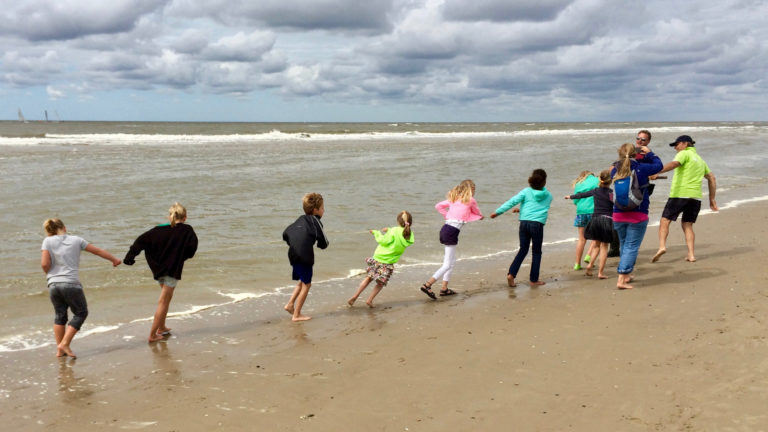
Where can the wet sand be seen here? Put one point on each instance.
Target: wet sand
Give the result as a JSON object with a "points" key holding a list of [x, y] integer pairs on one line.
{"points": [[685, 350]]}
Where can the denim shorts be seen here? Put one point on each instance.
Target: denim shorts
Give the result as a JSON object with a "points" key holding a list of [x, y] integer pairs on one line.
{"points": [[168, 281], [582, 220]]}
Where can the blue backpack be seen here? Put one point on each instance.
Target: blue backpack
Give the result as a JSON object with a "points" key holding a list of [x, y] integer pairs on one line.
{"points": [[628, 194]]}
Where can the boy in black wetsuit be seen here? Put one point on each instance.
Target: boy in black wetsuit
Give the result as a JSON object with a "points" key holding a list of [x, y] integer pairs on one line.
{"points": [[301, 237]]}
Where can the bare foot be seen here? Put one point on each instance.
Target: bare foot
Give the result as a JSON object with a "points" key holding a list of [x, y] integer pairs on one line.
{"points": [[289, 308], [60, 353], [601, 276], [370, 304], [658, 255], [690, 259], [511, 281], [156, 337], [164, 332], [301, 318], [588, 271], [623, 282], [66, 351], [537, 283], [351, 301]]}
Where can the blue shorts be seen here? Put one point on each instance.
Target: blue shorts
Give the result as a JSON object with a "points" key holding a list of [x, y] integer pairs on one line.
{"points": [[302, 273], [582, 220]]}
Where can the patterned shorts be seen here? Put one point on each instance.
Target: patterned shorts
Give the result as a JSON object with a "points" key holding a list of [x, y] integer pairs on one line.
{"points": [[379, 272], [582, 220]]}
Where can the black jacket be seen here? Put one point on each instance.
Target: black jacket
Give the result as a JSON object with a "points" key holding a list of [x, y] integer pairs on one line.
{"points": [[166, 248], [301, 237]]}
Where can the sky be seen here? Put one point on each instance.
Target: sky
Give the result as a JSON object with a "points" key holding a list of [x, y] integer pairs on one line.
{"points": [[384, 60]]}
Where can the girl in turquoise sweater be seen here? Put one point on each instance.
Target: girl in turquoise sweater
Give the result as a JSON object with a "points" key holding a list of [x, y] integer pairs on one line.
{"points": [[534, 208], [586, 181], [392, 244]]}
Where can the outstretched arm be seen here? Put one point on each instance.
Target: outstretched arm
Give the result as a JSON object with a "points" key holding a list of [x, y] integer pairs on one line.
{"points": [[103, 254], [712, 184]]}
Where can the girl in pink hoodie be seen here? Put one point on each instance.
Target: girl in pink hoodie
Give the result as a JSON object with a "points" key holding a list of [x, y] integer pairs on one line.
{"points": [[459, 208]]}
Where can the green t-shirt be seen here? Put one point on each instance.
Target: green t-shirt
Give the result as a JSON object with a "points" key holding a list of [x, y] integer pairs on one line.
{"points": [[686, 182], [392, 244]]}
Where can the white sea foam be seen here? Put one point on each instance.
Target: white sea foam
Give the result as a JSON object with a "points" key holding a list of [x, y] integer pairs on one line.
{"points": [[277, 136]]}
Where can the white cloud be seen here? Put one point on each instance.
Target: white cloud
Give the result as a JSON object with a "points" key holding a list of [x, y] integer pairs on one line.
{"points": [[53, 93]]}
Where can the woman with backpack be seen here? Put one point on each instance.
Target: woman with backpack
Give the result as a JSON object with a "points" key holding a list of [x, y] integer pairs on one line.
{"points": [[630, 209]]}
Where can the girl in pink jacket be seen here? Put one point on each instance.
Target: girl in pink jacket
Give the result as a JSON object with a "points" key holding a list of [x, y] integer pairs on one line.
{"points": [[459, 208]]}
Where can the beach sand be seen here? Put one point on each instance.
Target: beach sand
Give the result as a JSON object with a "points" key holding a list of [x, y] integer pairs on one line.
{"points": [[685, 350]]}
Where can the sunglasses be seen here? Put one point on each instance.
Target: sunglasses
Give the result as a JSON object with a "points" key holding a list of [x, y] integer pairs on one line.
{"points": [[641, 139]]}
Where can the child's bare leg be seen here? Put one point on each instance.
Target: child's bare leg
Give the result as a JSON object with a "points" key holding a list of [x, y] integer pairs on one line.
{"points": [[163, 303], [690, 238], [580, 243], [594, 249], [58, 333], [663, 234], [376, 290], [63, 346], [300, 299], [289, 306], [603, 258], [162, 329], [360, 289], [592, 259]]}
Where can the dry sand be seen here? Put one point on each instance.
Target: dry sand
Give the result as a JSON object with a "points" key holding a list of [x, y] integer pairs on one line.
{"points": [[685, 350]]}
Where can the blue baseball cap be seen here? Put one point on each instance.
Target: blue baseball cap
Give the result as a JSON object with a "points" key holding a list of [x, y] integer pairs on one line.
{"points": [[683, 138]]}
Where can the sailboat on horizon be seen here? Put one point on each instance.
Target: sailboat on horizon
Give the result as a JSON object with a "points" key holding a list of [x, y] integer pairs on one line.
{"points": [[21, 117]]}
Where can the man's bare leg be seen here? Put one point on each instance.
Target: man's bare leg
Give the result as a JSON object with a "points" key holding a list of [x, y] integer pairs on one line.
{"points": [[663, 234], [690, 238]]}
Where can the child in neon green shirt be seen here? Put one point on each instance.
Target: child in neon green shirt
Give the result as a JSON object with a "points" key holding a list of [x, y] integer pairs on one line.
{"points": [[392, 243]]}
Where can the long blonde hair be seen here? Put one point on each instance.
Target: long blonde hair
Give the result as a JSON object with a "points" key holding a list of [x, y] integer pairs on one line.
{"points": [[624, 164], [53, 226], [176, 214], [405, 220], [581, 177], [462, 192]]}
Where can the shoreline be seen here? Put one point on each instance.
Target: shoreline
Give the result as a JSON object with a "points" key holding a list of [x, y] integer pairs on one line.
{"points": [[684, 349]]}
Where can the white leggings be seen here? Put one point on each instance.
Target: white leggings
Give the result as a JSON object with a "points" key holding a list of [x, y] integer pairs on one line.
{"points": [[449, 261]]}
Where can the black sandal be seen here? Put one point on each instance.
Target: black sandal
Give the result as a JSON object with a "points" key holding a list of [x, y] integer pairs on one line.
{"points": [[447, 292], [427, 289]]}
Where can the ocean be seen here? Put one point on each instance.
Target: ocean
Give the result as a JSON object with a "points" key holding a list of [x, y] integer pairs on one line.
{"points": [[242, 184]]}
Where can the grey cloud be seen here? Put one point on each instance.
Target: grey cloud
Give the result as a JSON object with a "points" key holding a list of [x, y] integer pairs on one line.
{"points": [[504, 10], [40, 20], [353, 15]]}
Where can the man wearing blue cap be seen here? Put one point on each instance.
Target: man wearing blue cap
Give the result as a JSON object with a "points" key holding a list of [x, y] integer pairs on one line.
{"points": [[685, 193]]}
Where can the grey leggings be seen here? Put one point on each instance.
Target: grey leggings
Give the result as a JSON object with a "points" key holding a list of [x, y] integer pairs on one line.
{"points": [[68, 295]]}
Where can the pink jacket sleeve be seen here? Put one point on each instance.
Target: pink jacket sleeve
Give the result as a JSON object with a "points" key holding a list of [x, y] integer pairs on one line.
{"points": [[443, 207], [474, 211]]}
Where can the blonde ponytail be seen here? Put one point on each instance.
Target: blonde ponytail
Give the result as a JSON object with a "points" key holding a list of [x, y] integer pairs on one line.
{"points": [[624, 164], [176, 214]]}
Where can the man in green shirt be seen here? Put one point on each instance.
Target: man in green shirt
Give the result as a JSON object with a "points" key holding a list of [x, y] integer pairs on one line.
{"points": [[685, 193]]}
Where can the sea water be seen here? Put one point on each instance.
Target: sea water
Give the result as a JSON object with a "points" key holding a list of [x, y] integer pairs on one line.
{"points": [[242, 185]]}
